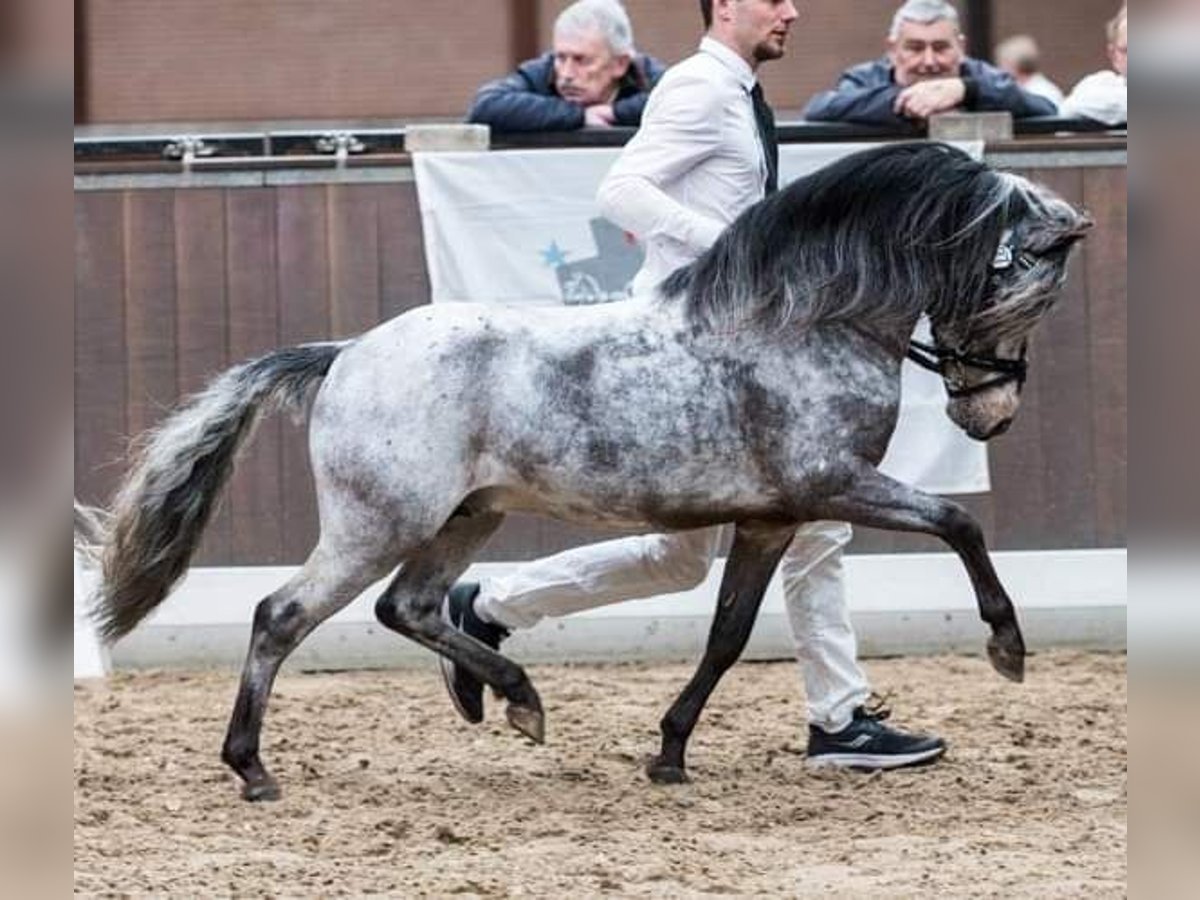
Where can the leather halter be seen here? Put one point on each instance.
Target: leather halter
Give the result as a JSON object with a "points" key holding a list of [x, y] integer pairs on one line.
{"points": [[935, 358]]}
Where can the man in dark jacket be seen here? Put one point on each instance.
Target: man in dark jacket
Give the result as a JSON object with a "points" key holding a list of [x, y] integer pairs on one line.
{"points": [[926, 71], [592, 77]]}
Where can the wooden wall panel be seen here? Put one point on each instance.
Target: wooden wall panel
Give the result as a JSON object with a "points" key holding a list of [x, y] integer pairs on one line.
{"points": [[304, 315], [203, 323], [100, 353], [255, 495], [149, 307], [1063, 369], [1016, 464], [1105, 264], [403, 280], [353, 258]]}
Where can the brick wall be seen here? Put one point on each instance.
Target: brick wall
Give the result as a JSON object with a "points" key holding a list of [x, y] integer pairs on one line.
{"points": [[1070, 34], [179, 60], [182, 60]]}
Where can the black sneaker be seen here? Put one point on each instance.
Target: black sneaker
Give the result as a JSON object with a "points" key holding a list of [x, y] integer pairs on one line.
{"points": [[866, 743], [458, 610]]}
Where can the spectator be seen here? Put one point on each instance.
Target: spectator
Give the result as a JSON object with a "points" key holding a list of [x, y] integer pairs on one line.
{"points": [[592, 77], [926, 71], [1103, 95], [1019, 57]]}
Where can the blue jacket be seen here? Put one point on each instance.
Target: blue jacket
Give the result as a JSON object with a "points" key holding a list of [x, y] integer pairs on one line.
{"points": [[527, 99], [865, 94]]}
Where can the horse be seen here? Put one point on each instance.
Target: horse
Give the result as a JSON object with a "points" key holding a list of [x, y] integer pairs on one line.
{"points": [[757, 386]]}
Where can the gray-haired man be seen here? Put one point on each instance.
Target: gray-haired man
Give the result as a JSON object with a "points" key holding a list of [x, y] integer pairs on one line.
{"points": [[926, 71], [593, 77]]}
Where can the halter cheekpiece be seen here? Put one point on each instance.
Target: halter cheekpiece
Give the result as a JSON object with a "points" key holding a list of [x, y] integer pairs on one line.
{"points": [[935, 358]]}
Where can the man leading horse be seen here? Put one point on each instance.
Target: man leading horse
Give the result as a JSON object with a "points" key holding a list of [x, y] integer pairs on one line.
{"points": [[705, 152]]}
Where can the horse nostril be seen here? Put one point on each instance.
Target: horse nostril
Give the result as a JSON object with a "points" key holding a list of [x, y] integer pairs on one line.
{"points": [[1002, 426]]}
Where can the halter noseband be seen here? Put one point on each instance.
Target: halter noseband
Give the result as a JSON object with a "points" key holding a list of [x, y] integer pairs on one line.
{"points": [[935, 358]]}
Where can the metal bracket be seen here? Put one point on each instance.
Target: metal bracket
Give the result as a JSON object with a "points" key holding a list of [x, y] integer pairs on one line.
{"points": [[188, 149], [339, 143]]}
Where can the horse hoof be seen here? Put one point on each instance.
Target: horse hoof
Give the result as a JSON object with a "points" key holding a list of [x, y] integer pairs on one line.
{"points": [[261, 792], [527, 720], [661, 773], [1007, 656]]}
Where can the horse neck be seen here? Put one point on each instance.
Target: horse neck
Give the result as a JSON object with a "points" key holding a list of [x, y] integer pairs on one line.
{"points": [[887, 342]]}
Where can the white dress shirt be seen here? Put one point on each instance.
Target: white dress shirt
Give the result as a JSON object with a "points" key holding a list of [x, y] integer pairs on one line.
{"points": [[694, 165], [1102, 96]]}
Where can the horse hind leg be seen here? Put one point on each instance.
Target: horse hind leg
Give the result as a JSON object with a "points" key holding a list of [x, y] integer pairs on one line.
{"points": [[327, 582], [411, 606]]}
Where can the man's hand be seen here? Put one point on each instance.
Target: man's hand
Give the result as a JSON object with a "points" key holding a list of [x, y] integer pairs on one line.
{"points": [[923, 99], [599, 116]]}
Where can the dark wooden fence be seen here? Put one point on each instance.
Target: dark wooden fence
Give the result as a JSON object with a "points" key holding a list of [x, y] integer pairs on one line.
{"points": [[175, 283]]}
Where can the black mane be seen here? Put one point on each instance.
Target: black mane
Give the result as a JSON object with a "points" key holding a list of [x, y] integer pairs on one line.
{"points": [[877, 236]]}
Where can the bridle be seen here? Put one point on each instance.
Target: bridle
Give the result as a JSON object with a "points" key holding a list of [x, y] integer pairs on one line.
{"points": [[935, 358]]}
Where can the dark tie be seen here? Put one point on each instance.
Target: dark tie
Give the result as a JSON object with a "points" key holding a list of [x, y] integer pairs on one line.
{"points": [[765, 119]]}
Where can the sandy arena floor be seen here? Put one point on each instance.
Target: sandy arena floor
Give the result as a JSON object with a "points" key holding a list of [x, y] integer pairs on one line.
{"points": [[387, 792]]}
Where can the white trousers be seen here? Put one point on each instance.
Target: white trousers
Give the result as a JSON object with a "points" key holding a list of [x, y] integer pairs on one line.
{"points": [[647, 565]]}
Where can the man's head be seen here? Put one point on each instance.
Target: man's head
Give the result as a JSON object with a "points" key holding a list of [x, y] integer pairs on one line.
{"points": [[756, 30], [1118, 41], [593, 47], [1018, 56], [925, 42]]}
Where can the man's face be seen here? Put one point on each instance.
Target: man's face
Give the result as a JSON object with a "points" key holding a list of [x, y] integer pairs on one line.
{"points": [[1118, 50], [922, 52], [586, 71], [760, 27]]}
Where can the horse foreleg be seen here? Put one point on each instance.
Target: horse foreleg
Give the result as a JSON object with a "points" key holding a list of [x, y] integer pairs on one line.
{"points": [[411, 606], [756, 552], [324, 585], [881, 502]]}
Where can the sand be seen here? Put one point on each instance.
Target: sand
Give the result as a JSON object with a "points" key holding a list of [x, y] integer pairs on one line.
{"points": [[386, 792]]}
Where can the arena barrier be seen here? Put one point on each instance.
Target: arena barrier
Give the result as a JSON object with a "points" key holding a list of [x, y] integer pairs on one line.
{"points": [[900, 604]]}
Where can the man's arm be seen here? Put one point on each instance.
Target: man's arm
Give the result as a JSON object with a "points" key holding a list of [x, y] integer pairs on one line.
{"points": [[996, 90], [864, 94], [681, 128], [513, 104]]}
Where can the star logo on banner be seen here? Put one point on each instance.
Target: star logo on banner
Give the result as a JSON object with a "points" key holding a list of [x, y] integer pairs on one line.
{"points": [[554, 256]]}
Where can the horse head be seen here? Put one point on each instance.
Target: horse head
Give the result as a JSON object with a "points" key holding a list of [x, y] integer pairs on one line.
{"points": [[982, 357]]}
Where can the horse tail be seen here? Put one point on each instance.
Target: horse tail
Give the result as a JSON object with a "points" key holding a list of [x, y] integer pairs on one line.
{"points": [[144, 544]]}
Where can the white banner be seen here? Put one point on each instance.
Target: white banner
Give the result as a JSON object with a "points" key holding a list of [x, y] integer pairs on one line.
{"points": [[522, 228]]}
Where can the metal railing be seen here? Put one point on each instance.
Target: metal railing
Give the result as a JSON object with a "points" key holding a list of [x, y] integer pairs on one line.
{"points": [[197, 148]]}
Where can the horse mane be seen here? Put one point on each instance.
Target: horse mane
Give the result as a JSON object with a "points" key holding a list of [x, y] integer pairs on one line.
{"points": [[876, 237]]}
